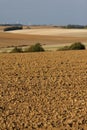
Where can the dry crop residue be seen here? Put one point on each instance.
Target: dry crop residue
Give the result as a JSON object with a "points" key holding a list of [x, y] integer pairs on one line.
{"points": [[43, 91]]}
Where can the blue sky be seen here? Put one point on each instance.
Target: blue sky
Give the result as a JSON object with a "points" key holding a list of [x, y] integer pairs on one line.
{"points": [[57, 12]]}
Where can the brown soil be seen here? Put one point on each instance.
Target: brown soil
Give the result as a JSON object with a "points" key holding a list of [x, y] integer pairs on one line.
{"points": [[43, 91]]}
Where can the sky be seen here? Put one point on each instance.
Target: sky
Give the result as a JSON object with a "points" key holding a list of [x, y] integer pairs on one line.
{"points": [[55, 12]]}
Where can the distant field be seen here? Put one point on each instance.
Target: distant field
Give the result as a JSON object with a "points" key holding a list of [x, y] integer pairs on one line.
{"points": [[54, 32], [50, 38], [43, 91]]}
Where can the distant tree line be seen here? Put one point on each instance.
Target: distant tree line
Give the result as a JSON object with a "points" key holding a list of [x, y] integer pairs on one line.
{"points": [[13, 28], [76, 26], [71, 26]]}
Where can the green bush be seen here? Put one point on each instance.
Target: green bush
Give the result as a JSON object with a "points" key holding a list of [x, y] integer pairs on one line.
{"points": [[35, 48], [16, 50], [74, 46], [77, 46]]}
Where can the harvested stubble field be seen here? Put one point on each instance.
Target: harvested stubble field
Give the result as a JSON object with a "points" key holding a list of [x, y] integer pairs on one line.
{"points": [[43, 91]]}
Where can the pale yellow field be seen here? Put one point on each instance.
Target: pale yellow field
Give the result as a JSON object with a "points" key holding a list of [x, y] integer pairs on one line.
{"points": [[54, 32]]}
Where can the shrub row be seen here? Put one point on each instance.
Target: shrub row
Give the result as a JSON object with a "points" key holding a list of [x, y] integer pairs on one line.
{"points": [[74, 46], [33, 48], [38, 48]]}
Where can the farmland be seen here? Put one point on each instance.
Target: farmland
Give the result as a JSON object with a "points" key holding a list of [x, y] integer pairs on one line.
{"points": [[54, 32], [43, 91], [50, 38]]}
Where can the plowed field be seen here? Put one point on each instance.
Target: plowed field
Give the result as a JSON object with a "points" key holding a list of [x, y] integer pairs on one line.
{"points": [[43, 91]]}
